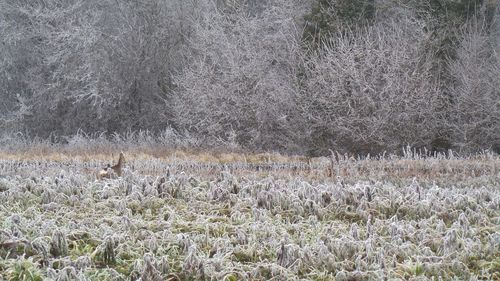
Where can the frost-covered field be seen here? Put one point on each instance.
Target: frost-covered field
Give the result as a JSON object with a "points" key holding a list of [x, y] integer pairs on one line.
{"points": [[395, 218]]}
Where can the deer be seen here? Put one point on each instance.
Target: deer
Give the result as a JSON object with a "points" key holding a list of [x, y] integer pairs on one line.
{"points": [[107, 171]]}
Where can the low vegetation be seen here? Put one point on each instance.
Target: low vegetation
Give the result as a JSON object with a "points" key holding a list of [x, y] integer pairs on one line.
{"points": [[177, 216]]}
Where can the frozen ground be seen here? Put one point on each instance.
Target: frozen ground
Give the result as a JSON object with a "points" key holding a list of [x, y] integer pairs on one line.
{"points": [[388, 219]]}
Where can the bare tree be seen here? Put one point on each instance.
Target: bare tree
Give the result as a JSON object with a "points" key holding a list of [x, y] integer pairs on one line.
{"points": [[242, 79], [494, 7], [371, 91], [239, 71], [20, 55], [93, 65], [475, 108]]}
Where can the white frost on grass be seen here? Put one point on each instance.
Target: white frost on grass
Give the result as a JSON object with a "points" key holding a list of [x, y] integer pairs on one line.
{"points": [[62, 224]]}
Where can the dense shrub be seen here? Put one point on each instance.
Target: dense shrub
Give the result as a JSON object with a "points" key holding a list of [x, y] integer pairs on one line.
{"points": [[371, 91], [295, 76], [474, 111], [328, 17]]}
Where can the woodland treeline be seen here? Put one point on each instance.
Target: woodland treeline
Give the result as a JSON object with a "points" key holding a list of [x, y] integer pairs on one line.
{"points": [[358, 76]]}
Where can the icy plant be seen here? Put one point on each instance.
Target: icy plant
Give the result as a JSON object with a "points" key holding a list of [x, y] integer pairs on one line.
{"points": [[179, 220], [193, 264], [58, 245], [150, 272], [109, 252], [24, 269]]}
